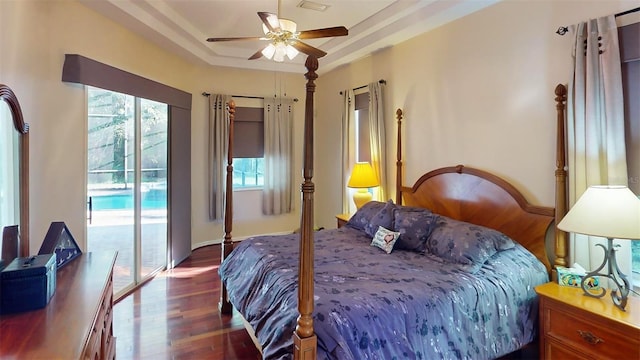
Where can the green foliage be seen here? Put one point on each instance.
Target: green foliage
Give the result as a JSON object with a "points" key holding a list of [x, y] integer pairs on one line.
{"points": [[111, 134]]}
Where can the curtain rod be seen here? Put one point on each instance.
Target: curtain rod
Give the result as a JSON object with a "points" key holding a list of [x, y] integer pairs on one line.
{"points": [[245, 96], [381, 81], [565, 29]]}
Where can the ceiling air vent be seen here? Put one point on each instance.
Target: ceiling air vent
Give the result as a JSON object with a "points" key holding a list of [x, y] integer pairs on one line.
{"points": [[312, 5]]}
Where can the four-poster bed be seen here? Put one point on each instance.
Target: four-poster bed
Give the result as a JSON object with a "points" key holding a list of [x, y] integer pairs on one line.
{"points": [[386, 289]]}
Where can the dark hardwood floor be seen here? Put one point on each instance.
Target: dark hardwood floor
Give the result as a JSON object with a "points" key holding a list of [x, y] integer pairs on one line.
{"points": [[175, 316]]}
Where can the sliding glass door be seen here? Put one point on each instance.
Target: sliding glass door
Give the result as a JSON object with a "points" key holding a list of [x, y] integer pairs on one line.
{"points": [[153, 186], [127, 183]]}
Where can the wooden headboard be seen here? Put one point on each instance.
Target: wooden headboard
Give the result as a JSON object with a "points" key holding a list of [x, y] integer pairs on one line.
{"points": [[481, 198]]}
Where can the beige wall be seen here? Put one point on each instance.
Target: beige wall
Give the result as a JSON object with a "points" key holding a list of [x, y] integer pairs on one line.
{"points": [[34, 38], [477, 91]]}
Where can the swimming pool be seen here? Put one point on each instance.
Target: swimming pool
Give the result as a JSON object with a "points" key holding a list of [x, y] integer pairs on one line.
{"points": [[151, 199]]}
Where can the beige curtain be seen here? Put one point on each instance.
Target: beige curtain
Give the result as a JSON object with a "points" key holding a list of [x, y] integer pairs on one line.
{"points": [[377, 137], [595, 128], [348, 146], [218, 150], [278, 156]]}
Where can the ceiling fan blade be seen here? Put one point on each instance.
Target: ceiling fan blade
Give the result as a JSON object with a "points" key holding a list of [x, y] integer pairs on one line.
{"points": [[326, 32], [257, 55], [308, 49], [212, 39], [270, 21]]}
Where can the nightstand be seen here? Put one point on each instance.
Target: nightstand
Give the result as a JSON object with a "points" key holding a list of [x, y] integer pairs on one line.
{"points": [[342, 219], [576, 326]]}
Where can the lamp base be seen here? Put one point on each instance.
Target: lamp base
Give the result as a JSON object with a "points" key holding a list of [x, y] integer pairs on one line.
{"points": [[361, 197], [619, 295]]}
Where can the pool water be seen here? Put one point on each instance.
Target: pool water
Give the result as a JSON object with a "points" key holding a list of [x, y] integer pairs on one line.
{"points": [[152, 199]]}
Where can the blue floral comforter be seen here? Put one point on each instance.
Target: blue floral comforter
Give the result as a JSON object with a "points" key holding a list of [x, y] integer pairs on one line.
{"points": [[374, 305]]}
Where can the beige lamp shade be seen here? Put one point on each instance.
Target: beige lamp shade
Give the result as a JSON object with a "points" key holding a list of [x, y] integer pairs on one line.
{"points": [[606, 211], [362, 178]]}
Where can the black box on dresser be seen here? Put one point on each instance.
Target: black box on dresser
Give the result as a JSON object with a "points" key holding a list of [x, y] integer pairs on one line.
{"points": [[27, 283]]}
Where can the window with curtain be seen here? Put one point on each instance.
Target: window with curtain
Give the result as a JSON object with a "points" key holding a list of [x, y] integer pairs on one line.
{"points": [[277, 192], [262, 151], [363, 137], [363, 147], [248, 149], [86, 71], [629, 40], [596, 151]]}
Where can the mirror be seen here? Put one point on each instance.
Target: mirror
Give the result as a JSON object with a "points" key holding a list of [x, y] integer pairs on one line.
{"points": [[14, 167]]}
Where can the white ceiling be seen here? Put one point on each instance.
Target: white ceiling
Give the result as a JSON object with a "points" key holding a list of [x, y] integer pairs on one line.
{"points": [[182, 26]]}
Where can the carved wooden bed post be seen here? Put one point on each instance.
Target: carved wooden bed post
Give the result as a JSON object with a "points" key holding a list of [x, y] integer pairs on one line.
{"points": [[227, 245], [399, 159], [561, 240], [304, 339]]}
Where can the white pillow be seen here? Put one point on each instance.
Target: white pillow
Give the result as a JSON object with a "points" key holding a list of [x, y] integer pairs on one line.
{"points": [[385, 239]]}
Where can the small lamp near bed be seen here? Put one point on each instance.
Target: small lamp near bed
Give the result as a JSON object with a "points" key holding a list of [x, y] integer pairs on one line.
{"points": [[362, 178], [612, 212]]}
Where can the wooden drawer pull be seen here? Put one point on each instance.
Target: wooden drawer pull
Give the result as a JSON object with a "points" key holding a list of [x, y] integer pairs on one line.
{"points": [[589, 337]]}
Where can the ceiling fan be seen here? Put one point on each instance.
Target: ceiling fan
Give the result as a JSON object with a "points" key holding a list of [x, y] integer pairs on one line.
{"points": [[284, 39]]}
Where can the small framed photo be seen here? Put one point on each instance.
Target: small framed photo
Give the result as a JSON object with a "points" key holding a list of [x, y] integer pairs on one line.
{"points": [[60, 241]]}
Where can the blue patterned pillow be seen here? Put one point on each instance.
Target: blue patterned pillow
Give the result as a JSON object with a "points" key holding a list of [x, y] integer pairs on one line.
{"points": [[364, 215], [383, 218], [414, 225], [466, 244], [385, 239]]}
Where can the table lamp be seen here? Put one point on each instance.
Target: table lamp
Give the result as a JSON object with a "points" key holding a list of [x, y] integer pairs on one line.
{"points": [[612, 212], [362, 178]]}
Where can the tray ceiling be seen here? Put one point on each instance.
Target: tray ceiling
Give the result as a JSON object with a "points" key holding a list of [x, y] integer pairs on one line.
{"points": [[182, 26]]}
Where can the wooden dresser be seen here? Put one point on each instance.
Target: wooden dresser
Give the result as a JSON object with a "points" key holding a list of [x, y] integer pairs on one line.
{"points": [[77, 322], [575, 326]]}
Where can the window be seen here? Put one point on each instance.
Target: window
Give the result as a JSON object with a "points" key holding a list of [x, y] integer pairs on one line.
{"points": [[629, 38], [363, 149], [82, 70], [248, 172], [127, 160], [111, 144], [248, 148]]}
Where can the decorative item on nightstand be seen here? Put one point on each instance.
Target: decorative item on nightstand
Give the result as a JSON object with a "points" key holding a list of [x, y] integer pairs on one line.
{"points": [[612, 212], [362, 178]]}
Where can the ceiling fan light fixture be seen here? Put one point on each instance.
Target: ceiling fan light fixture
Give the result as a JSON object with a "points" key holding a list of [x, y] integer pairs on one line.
{"points": [[281, 51], [269, 51], [291, 52], [288, 25], [284, 38]]}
